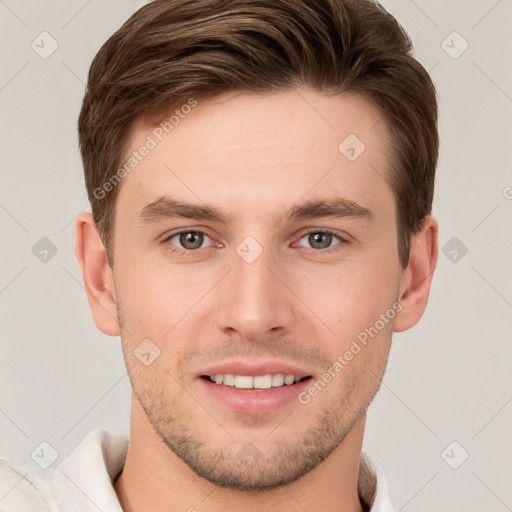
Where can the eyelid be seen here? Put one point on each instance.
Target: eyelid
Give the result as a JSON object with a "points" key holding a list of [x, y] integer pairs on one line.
{"points": [[324, 230]]}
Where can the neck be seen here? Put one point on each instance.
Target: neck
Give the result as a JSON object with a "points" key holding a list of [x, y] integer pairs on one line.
{"points": [[155, 479]]}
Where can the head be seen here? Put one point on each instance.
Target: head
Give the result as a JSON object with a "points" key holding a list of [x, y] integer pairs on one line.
{"points": [[261, 177]]}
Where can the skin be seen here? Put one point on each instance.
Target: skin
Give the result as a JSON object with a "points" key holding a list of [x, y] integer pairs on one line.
{"points": [[254, 157]]}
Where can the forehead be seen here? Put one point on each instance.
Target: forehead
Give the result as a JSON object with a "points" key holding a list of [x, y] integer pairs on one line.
{"points": [[289, 117], [240, 148]]}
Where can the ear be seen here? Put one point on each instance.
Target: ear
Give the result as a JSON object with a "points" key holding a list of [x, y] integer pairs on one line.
{"points": [[417, 277], [97, 274]]}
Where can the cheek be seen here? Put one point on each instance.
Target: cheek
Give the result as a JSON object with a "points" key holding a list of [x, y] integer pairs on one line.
{"points": [[158, 303], [148, 289], [349, 298]]}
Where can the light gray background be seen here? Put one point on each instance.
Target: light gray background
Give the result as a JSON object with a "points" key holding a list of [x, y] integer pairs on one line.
{"points": [[448, 379]]}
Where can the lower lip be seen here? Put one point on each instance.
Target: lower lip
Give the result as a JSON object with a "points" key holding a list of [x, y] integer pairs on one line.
{"points": [[250, 401]]}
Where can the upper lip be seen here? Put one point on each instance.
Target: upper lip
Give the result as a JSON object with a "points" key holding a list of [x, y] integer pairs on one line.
{"points": [[254, 368]]}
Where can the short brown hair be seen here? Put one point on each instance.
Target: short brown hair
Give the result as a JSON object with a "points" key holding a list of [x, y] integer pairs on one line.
{"points": [[172, 50]]}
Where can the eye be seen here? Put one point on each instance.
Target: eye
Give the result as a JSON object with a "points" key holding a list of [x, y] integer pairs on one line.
{"points": [[188, 240], [321, 240]]}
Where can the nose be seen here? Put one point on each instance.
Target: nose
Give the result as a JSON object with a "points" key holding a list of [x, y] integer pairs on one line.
{"points": [[253, 300]]}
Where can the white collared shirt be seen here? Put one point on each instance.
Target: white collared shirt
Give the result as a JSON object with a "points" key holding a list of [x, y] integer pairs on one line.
{"points": [[84, 480]]}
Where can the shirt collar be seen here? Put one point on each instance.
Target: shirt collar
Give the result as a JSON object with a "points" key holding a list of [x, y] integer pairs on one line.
{"points": [[372, 486]]}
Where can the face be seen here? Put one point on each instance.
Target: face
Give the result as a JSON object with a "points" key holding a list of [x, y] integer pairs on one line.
{"points": [[258, 259]]}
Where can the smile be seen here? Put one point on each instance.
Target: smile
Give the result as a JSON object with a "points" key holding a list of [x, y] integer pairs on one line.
{"points": [[255, 382]]}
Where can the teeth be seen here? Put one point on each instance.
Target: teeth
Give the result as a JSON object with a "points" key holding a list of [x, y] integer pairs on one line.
{"points": [[258, 382], [288, 379], [229, 379], [262, 382], [243, 382], [277, 380]]}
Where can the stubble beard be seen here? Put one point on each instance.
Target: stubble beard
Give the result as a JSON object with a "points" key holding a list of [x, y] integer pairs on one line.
{"points": [[241, 464]]}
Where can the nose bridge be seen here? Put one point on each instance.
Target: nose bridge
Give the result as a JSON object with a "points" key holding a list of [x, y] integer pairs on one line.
{"points": [[252, 300]]}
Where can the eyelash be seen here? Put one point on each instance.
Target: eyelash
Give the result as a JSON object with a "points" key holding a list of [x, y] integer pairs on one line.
{"points": [[189, 252]]}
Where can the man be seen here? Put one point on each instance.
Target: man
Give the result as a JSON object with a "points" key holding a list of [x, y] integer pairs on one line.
{"points": [[261, 176]]}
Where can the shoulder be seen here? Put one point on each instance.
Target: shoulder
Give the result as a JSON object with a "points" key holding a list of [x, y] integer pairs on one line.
{"points": [[83, 481], [19, 491]]}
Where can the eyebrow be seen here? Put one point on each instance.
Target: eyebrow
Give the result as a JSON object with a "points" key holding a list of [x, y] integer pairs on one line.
{"points": [[167, 208]]}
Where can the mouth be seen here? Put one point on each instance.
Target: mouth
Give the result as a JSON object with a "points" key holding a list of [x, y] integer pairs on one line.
{"points": [[257, 382], [254, 387]]}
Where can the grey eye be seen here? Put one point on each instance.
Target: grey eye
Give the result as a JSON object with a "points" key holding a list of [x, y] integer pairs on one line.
{"points": [[189, 240], [319, 239]]}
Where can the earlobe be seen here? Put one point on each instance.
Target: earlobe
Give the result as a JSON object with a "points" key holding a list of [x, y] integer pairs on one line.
{"points": [[97, 275], [417, 277]]}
